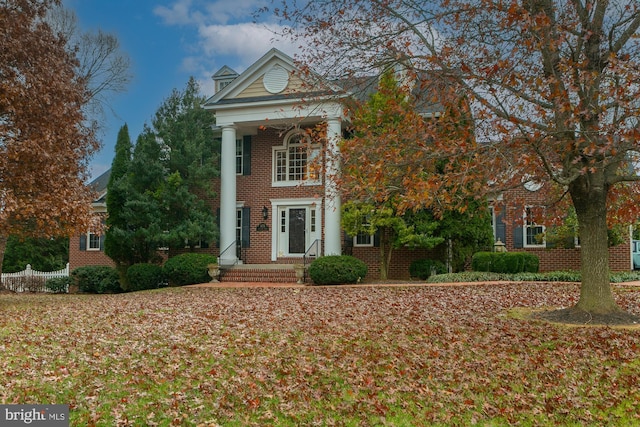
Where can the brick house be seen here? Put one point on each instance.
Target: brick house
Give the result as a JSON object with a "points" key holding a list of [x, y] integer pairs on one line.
{"points": [[88, 248], [514, 226], [275, 207]]}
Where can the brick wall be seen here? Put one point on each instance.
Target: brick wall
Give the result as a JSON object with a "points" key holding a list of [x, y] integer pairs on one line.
{"points": [[553, 259], [256, 191], [79, 258], [400, 260]]}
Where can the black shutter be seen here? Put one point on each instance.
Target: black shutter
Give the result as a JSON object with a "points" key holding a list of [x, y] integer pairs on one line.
{"points": [[83, 242], [102, 242], [246, 227], [376, 239], [246, 155], [518, 238]]}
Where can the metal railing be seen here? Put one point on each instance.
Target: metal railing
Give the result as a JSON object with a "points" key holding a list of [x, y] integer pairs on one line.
{"points": [[314, 251], [238, 257]]}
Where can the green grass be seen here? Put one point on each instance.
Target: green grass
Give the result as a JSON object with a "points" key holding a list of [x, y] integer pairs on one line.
{"points": [[318, 356]]}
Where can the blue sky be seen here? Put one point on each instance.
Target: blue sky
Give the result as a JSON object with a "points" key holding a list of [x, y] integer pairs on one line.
{"points": [[168, 41]]}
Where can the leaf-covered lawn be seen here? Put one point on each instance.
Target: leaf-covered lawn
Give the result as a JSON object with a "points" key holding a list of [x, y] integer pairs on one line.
{"points": [[318, 356]]}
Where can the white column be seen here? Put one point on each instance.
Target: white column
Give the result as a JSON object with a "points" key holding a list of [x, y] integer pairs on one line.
{"points": [[228, 196], [332, 203]]}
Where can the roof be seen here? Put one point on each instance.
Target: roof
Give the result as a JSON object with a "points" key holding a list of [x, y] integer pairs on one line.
{"points": [[99, 185]]}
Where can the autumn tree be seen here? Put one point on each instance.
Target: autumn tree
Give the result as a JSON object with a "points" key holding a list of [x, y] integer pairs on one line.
{"points": [[553, 86], [387, 119], [390, 130], [44, 137]]}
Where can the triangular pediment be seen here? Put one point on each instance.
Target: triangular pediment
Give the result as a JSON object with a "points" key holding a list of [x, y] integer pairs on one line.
{"points": [[272, 77]]}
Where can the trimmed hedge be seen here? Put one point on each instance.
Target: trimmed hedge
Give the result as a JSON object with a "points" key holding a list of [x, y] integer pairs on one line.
{"points": [[422, 268], [188, 269], [505, 262], [97, 279], [337, 270], [144, 276], [58, 285]]}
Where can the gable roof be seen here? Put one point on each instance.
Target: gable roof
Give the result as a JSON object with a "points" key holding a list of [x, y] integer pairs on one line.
{"points": [[223, 72], [273, 77]]}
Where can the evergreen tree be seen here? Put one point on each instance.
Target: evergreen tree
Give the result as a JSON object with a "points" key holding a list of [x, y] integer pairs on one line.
{"points": [[116, 245], [160, 200]]}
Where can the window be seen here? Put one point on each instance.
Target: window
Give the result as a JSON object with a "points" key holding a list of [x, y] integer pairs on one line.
{"points": [[239, 225], [239, 156], [296, 161], [93, 241], [363, 239], [533, 233], [492, 212]]}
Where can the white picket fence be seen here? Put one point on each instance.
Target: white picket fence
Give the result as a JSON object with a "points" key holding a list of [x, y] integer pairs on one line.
{"points": [[29, 280]]}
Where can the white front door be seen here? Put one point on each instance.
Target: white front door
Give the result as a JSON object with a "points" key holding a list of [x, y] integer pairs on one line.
{"points": [[297, 228]]}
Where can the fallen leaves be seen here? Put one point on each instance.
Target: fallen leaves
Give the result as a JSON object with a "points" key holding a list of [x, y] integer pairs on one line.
{"points": [[326, 356]]}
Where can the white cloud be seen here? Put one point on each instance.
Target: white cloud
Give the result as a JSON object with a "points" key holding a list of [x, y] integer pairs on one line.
{"points": [[177, 14], [246, 42], [201, 12], [225, 34]]}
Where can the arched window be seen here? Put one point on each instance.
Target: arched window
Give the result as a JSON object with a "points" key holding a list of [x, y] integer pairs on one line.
{"points": [[296, 161]]}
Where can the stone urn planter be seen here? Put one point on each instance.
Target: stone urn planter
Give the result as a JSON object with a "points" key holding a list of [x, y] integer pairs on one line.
{"points": [[214, 272], [299, 269]]}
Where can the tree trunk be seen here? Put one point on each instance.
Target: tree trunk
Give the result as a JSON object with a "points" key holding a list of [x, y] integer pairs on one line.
{"points": [[3, 247], [384, 264], [590, 201]]}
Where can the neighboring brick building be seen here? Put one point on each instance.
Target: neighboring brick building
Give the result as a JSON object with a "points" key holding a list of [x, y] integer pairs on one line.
{"points": [[275, 205], [88, 249], [512, 227]]}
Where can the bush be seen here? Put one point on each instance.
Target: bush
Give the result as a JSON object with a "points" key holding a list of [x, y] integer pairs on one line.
{"points": [[58, 285], [144, 276], [337, 270], [96, 279], [422, 268], [505, 262], [188, 269]]}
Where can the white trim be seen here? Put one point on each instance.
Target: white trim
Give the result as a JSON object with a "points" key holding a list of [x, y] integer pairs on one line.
{"points": [[363, 245], [89, 248], [524, 231], [313, 151], [277, 205]]}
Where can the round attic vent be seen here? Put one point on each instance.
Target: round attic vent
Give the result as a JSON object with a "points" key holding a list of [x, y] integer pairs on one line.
{"points": [[276, 79]]}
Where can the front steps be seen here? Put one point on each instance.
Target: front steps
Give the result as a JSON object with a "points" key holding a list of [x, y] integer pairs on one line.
{"points": [[269, 273]]}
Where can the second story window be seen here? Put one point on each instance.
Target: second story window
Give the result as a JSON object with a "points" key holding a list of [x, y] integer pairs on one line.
{"points": [[239, 156], [297, 161]]}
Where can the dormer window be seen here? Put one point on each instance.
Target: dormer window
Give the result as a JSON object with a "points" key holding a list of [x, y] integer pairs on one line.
{"points": [[296, 161], [222, 84]]}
